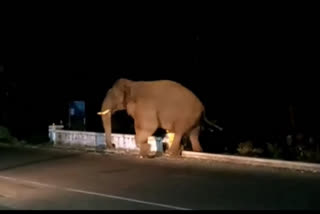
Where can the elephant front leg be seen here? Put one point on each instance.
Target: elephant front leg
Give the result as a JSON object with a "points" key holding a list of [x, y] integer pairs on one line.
{"points": [[145, 150], [142, 142], [109, 144]]}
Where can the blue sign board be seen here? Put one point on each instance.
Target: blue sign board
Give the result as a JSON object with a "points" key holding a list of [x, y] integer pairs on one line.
{"points": [[77, 115]]}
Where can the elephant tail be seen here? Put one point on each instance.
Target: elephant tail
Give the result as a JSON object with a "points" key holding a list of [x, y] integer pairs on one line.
{"points": [[211, 123]]}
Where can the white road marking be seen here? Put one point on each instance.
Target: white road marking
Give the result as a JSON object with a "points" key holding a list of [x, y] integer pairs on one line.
{"points": [[92, 193]]}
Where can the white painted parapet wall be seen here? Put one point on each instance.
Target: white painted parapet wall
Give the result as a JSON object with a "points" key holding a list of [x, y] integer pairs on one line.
{"points": [[127, 142], [97, 140]]}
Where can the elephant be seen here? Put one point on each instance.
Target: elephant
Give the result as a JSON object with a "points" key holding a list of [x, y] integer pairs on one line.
{"points": [[164, 104]]}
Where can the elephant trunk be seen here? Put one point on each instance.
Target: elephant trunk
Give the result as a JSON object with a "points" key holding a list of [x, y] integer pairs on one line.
{"points": [[106, 119], [106, 113]]}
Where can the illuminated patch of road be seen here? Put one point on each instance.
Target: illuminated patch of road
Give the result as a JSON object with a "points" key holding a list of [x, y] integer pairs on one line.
{"points": [[12, 179]]}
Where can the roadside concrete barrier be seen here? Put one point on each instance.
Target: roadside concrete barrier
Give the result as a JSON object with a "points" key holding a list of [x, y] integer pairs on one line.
{"points": [[97, 140], [313, 167], [126, 143]]}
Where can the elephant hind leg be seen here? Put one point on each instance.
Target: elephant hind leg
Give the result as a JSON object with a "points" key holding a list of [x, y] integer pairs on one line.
{"points": [[175, 149], [194, 138]]}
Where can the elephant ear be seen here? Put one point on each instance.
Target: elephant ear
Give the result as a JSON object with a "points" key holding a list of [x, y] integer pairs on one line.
{"points": [[126, 95]]}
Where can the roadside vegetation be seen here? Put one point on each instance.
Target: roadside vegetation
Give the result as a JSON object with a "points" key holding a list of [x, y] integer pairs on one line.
{"points": [[294, 148], [5, 136]]}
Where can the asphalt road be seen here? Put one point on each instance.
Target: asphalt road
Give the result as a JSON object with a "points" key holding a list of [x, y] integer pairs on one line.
{"points": [[47, 180]]}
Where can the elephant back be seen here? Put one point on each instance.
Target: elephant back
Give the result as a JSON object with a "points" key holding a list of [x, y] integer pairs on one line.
{"points": [[169, 94]]}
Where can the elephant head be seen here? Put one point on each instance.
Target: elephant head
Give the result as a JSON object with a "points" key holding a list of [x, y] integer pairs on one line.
{"points": [[116, 99]]}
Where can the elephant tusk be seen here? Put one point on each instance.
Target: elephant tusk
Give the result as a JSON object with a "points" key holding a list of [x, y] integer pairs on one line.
{"points": [[104, 112]]}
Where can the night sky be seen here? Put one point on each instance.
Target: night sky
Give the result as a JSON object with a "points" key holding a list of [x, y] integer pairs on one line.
{"points": [[246, 71]]}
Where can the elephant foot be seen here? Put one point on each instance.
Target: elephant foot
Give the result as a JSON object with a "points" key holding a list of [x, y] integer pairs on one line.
{"points": [[173, 153], [147, 156], [110, 146], [150, 155], [154, 154], [197, 150], [144, 150]]}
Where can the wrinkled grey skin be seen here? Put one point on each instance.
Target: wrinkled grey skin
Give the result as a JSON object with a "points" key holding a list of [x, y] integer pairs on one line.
{"points": [[155, 104]]}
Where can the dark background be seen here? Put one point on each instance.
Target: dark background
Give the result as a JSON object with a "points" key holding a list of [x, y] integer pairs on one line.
{"points": [[246, 69]]}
